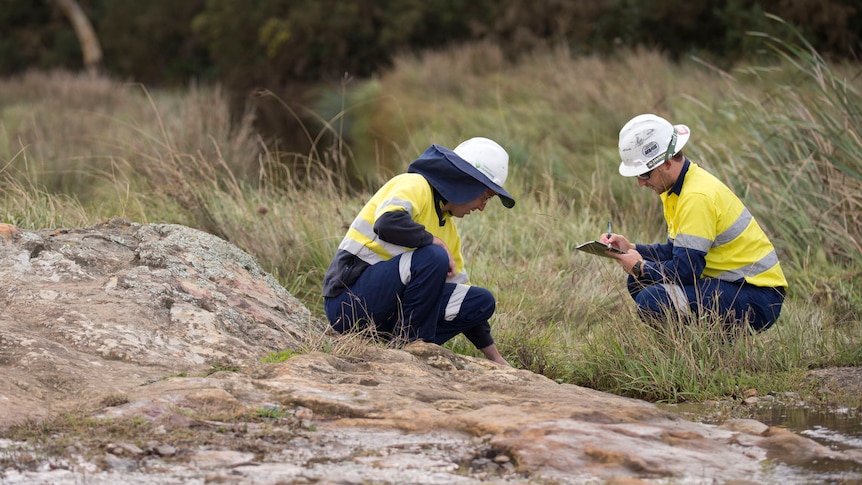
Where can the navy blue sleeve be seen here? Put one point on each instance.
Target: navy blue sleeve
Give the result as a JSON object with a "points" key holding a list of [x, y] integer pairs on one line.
{"points": [[684, 267], [656, 252], [480, 335], [397, 227]]}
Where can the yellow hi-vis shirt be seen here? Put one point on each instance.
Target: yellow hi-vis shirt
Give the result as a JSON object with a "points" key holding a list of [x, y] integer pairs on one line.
{"points": [[707, 216], [408, 192]]}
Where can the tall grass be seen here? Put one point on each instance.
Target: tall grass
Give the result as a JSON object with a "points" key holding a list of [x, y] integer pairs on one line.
{"points": [[803, 152], [74, 151]]}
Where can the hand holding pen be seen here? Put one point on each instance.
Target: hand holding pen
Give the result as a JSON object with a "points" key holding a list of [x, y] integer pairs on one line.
{"points": [[620, 243]]}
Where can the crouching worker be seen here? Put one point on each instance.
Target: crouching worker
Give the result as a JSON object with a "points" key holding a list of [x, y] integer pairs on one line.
{"points": [[716, 260], [400, 266]]}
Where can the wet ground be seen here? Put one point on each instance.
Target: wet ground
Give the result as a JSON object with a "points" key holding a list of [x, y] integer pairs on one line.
{"points": [[840, 429], [834, 420]]}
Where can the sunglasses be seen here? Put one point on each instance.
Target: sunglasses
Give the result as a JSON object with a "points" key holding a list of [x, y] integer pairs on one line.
{"points": [[645, 176], [670, 150]]}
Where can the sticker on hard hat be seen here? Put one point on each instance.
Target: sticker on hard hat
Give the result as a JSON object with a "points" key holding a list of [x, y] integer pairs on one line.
{"points": [[650, 149]]}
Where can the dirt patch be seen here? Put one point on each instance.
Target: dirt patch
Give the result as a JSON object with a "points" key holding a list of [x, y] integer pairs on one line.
{"points": [[839, 384]]}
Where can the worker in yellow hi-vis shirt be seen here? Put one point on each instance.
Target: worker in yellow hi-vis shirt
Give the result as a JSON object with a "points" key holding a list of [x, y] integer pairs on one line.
{"points": [[400, 267], [717, 257]]}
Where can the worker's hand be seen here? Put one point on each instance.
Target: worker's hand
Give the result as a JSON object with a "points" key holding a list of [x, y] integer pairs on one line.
{"points": [[627, 260], [618, 241], [493, 355], [442, 244]]}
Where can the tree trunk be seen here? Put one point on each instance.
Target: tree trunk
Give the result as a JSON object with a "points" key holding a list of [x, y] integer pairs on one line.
{"points": [[86, 35]]}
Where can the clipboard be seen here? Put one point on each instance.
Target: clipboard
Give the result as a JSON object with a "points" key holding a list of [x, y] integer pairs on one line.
{"points": [[598, 249]]}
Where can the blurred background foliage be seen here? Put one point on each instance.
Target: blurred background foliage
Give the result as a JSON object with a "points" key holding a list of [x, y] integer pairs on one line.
{"points": [[288, 61], [245, 43]]}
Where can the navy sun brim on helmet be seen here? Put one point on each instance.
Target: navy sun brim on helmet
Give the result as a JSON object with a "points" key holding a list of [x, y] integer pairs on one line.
{"points": [[445, 170]]}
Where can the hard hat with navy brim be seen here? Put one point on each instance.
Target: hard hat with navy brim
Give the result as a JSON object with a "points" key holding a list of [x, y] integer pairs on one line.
{"points": [[488, 162], [485, 163]]}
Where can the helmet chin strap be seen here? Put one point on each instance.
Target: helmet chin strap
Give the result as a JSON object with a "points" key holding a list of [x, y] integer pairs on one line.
{"points": [[668, 183]]}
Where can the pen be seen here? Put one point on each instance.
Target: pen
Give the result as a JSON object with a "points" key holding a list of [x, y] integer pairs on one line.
{"points": [[609, 229]]}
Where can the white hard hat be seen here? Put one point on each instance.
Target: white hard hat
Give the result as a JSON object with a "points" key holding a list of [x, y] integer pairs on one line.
{"points": [[486, 155], [648, 141], [491, 160]]}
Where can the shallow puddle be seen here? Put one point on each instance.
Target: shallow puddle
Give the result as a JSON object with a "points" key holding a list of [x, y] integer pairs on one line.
{"points": [[839, 429]]}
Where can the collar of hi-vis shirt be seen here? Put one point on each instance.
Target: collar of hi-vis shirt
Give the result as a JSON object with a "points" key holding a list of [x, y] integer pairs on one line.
{"points": [[439, 202], [677, 186]]}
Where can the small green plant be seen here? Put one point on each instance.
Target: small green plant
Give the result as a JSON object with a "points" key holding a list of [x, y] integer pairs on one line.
{"points": [[222, 366], [270, 412], [280, 356]]}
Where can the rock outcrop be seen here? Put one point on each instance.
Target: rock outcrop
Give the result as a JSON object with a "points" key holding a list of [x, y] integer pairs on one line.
{"points": [[86, 312], [166, 325]]}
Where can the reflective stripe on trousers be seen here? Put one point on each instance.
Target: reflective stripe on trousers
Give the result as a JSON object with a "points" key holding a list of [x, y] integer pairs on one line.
{"points": [[734, 303], [408, 298]]}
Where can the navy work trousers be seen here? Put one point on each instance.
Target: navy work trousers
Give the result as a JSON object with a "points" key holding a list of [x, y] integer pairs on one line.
{"points": [[407, 298], [734, 303]]}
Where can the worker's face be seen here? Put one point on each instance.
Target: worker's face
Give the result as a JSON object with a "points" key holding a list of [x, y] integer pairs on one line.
{"points": [[659, 179], [461, 210]]}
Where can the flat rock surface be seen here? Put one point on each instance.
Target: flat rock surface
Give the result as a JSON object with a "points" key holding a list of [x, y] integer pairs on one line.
{"points": [[154, 335]]}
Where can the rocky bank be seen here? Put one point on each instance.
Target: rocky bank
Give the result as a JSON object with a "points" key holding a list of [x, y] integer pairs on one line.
{"points": [[135, 353]]}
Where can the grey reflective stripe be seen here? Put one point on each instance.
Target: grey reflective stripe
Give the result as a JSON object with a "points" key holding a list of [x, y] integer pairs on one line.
{"points": [[677, 297], [351, 245], [366, 254], [453, 307], [386, 204], [404, 267], [460, 278], [735, 229], [750, 270], [361, 252], [702, 244], [355, 247], [688, 241], [364, 227]]}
